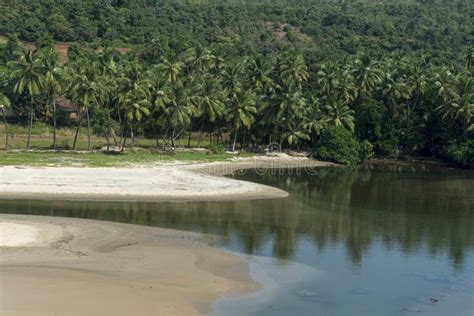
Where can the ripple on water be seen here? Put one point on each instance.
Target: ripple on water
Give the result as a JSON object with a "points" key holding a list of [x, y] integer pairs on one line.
{"points": [[311, 296], [410, 310], [360, 291], [430, 277], [431, 300]]}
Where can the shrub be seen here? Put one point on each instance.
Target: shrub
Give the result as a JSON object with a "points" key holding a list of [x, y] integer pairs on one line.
{"points": [[366, 150], [338, 144], [462, 153], [217, 148], [65, 144]]}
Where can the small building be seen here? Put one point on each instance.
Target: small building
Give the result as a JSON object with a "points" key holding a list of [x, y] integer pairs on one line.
{"points": [[62, 104], [67, 106], [8, 113]]}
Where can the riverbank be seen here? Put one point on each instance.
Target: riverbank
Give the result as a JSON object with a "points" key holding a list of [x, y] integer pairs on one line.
{"points": [[164, 181], [59, 266]]}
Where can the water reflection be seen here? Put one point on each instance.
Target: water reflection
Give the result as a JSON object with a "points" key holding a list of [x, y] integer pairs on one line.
{"points": [[412, 209]]}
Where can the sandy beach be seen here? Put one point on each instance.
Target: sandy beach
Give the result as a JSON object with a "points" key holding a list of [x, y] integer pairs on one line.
{"points": [[176, 181], [59, 266]]}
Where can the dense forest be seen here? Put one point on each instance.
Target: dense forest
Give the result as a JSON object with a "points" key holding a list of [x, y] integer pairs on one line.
{"points": [[348, 79]]}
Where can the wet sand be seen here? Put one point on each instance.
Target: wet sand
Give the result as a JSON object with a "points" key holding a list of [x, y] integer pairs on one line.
{"points": [[59, 266], [99, 268]]}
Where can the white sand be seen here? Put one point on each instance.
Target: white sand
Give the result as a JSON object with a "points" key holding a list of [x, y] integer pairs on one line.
{"points": [[12, 234], [28, 234], [172, 181]]}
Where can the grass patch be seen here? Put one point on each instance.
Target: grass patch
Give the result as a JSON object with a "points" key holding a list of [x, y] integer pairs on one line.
{"points": [[99, 159], [42, 138]]}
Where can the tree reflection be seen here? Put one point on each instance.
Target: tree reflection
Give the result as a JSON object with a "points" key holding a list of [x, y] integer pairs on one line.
{"points": [[411, 210]]}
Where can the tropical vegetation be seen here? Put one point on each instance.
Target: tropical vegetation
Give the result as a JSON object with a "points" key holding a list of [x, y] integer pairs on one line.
{"points": [[346, 79]]}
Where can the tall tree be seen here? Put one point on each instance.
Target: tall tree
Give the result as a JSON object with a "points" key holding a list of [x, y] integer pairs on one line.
{"points": [[28, 75], [135, 104], [367, 73], [5, 105], [339, 114], [241, 111], [179, 110], [209, 100], [86, 89], [293, 69], [53, 84]]}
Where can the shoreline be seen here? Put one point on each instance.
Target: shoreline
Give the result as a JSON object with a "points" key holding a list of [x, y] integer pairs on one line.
{"points": [[53, 260], [167, 182], [115, 268]]}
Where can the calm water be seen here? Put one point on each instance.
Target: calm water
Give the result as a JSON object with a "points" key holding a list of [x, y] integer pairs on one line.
{"points": [[368, 242]]}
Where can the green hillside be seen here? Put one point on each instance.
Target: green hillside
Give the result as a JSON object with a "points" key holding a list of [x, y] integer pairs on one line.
{"points": [[346, 79]]}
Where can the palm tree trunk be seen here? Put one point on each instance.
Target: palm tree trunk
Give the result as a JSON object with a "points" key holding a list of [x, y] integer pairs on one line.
{"points": [[107, 139], [6, 129], [30, 125], [77, 132], [235, 140], [200, 132], [109, 126], [172, 139], [122, 127], [124, 141], [221, 135], [112, 133], [189, 135], [132, 136], [88, 130], [54, 123], [156, 135]]}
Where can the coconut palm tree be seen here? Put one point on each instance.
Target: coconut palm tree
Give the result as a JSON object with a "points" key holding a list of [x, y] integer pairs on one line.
{"points": [[217, 64], [470, 57], [209, 100], [394, 90], [130, 77], [347, 90], [109, 71], [296, 133], [339, 114], [170, 71], [443, 84], [418, 84], [198, 58], [328, 80], [179, 109], [232, 77], [242, 110], [286, 105], [86, 88], [28, 75], [367, 74], [5, 104], [259, 71], [315, 120], [462, 106], [53, 83], [135, 105], [293, 69], [158, 99]]}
